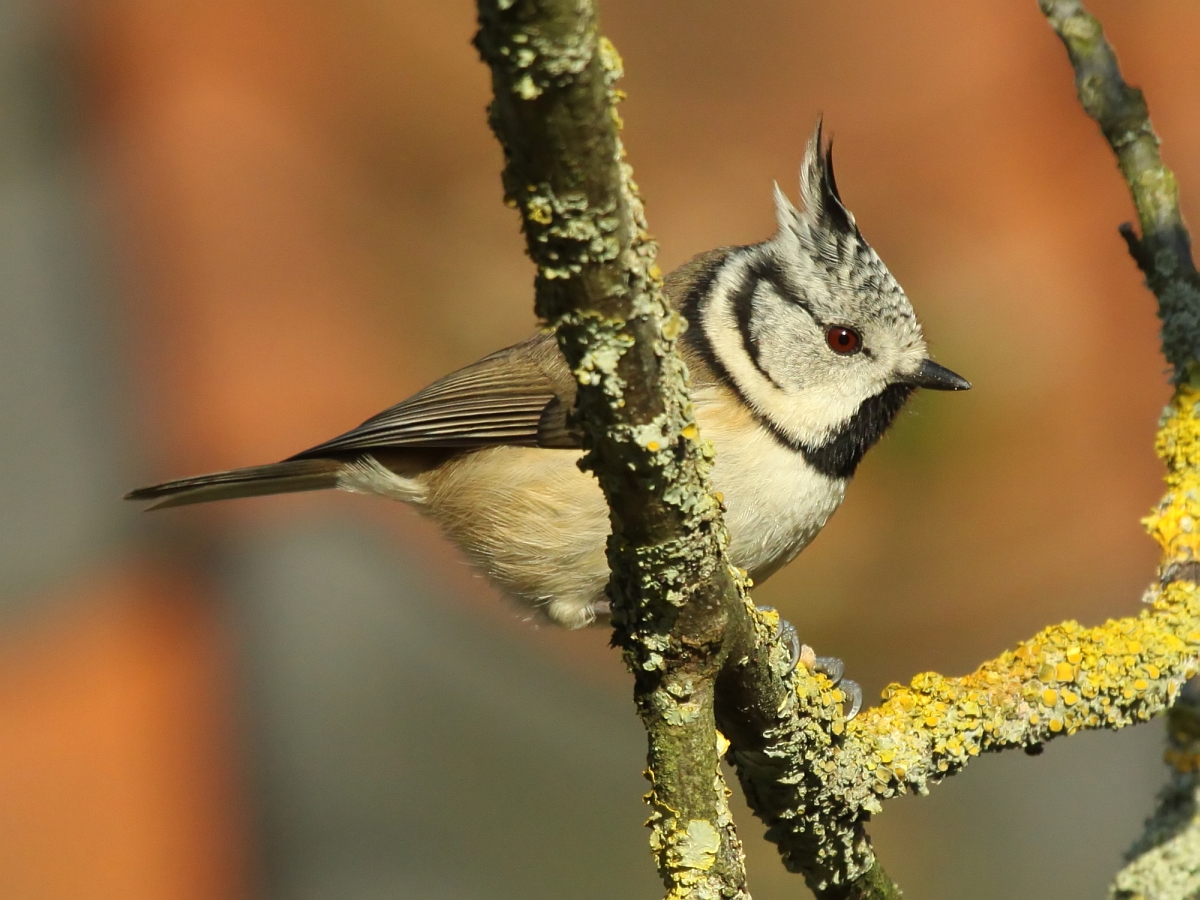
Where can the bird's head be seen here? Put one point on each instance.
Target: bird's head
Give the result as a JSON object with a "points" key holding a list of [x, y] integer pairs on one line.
{"points": [[812, 330]]}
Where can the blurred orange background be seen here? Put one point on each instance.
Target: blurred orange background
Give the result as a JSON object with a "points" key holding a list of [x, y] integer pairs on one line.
{"points": [[232, 229]]}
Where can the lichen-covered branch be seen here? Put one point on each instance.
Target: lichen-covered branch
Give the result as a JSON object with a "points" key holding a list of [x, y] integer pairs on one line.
{"points": [[814, 788], [597, 286], [1164, 864]]}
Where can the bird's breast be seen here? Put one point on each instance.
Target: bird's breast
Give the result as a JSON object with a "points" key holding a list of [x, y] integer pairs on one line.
{"points": [[776, 502]]}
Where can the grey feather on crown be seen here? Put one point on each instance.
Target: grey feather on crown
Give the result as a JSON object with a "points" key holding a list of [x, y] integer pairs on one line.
{"points": [[824, 225]]}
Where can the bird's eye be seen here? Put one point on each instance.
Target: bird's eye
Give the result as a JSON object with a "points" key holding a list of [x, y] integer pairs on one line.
{"points": [[843, 341]]}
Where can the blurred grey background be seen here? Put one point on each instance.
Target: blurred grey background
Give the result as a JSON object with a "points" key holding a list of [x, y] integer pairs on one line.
{"points": [[231, 229]]}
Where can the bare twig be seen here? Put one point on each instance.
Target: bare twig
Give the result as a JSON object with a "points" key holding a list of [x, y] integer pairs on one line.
{"points": [[1163, 252]]}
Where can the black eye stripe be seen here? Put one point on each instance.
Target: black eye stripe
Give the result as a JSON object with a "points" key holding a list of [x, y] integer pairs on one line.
{"points": [[743, 306], [771, 276]]}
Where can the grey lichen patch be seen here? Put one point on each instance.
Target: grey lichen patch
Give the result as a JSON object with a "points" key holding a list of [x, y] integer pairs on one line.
{"points": [[541, 55], [665, 573], [681, 713], [599, 343], [566, 232], [1169, 871], [1164, 864]]}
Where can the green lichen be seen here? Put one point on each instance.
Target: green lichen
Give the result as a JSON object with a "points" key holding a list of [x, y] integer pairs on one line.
{"points": [[598, 287]]}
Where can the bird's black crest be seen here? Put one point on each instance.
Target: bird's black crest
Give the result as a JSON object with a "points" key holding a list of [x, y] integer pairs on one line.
{"points": [[820, 185]]}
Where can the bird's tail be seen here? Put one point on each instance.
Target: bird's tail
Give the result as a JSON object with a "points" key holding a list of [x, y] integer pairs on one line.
{"points": [[255, 481]]}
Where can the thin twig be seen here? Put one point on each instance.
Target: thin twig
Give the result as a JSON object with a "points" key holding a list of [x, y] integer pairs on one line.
{"points": [[1164, 864], [1163, 252]]}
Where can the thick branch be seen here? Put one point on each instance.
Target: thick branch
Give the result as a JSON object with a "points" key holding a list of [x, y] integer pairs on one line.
{"points": [[598, 287]]}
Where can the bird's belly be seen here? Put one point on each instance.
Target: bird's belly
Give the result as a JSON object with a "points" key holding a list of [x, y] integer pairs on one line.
{"points": [[532, 521], [772, 519]]}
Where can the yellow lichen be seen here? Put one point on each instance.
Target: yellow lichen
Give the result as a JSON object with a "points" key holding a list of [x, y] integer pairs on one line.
{"points": [[1173, 521], [1023, 697], [698, 847]]}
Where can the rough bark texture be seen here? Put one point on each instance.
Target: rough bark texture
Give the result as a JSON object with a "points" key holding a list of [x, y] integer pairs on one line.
{"points": [[702, 657], [598, 287]]}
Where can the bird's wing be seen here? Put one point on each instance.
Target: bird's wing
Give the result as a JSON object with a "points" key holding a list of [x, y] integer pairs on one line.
{"points": [[518, 396]]}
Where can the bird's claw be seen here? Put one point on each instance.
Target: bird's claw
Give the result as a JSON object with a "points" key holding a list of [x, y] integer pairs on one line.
{"points": [[854, 696], [834, 669], [786, 632], [829, 666]]}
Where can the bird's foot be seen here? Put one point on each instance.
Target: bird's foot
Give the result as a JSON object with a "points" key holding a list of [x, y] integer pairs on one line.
{"points": [[833, 669], [829, 666]]}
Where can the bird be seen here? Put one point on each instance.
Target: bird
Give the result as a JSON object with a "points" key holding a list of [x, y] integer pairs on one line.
{"points": [[801, 350]]}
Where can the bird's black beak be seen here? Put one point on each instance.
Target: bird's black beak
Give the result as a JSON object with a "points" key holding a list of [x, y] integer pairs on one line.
{"points": [[935, 378]]}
